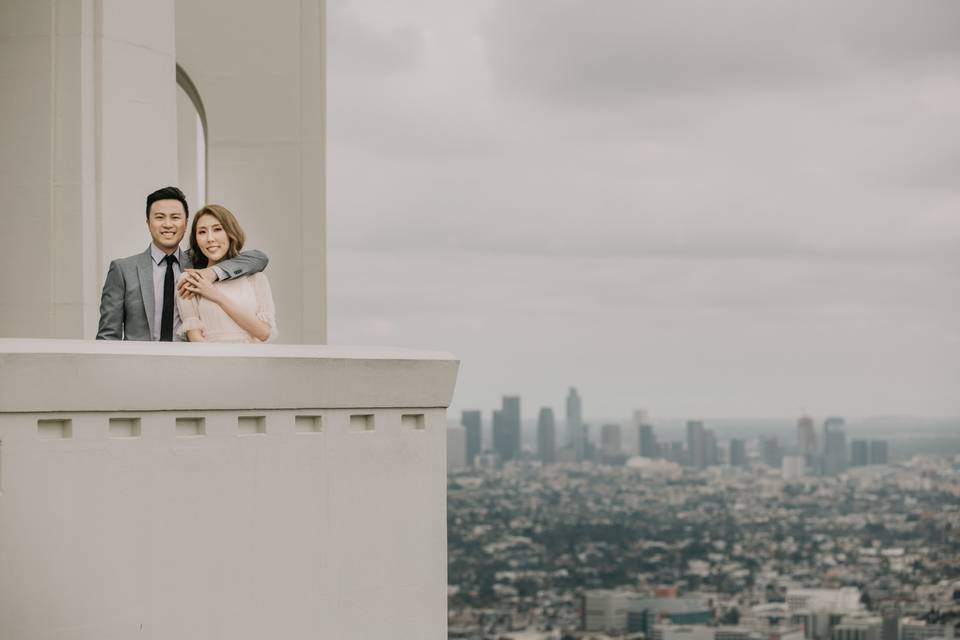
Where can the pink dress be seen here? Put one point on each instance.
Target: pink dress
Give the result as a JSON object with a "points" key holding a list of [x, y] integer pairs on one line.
{"points": [[251, 292]]}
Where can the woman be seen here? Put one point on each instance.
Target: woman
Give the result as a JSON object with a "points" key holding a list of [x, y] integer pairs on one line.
{"points": [[236, 310]]}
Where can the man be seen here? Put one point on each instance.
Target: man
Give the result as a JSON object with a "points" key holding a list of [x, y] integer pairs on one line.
{"points": [[138, 301]]}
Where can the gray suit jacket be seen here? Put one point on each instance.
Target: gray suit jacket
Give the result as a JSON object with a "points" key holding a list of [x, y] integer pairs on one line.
{"points": [[127, 300]]}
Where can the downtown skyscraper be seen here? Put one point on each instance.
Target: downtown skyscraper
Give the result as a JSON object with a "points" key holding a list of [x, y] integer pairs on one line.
{"points": [[610, 440], [806, 436], [649, 448], [835, 456], [738, 453], [576, 439], [472, 421], [696, 445], [546, 436], [506, 429]]}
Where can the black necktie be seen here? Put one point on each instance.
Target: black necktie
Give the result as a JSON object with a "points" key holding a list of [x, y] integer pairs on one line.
{"points": [[166, 320]]}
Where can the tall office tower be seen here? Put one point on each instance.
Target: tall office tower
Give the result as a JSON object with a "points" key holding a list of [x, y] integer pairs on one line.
{"points": [[648, 442], [879, 452], [456, 448], [834, 447], [472, 421], [738, 453], [806, 436], [610, 439], [711, 452], [696, 453], [859, 453], [631, 432], [509, 420], [771, 452], [546, 436], [575, 436], [589, 450]]}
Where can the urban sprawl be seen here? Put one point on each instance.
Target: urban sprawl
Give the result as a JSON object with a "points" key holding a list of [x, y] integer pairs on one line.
{"points": [[744, 539]]}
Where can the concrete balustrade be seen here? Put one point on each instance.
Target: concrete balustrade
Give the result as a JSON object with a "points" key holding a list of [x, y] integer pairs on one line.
{"points": [[222, 491]]}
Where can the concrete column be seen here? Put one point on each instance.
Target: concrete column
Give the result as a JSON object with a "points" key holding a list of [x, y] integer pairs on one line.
{"points": [[87, 129]]}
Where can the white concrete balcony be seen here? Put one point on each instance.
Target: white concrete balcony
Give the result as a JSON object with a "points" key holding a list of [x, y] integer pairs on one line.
{"points": [[222, 491]]}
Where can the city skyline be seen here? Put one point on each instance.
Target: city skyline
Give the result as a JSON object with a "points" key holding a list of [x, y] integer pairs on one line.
{"points": [[649, 414]]}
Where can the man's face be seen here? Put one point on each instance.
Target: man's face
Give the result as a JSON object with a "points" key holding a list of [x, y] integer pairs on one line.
{"points": [[167, 222]]}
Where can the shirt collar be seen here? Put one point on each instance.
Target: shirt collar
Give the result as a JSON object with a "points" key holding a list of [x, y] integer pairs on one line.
{"points": [[159, 255]]}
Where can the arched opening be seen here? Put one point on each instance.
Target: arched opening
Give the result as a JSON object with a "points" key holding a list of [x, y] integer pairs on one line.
{"points": [[191, 141]]}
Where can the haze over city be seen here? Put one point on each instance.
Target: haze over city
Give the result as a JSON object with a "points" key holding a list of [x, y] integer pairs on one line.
{"points": [[705, 210]]}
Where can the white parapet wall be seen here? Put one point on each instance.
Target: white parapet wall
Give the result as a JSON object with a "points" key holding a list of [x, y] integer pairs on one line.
{"points": [[187, 491]]}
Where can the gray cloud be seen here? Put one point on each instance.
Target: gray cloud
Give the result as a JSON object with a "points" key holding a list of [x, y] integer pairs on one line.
{"points": [[359, 47], [710, 208], [568, 50]]}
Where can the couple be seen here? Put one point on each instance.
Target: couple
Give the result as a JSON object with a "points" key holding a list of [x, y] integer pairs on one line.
{"points": [[211, 293]]}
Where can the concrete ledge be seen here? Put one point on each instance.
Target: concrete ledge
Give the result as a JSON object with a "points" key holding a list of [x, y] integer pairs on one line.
{"points": [[86, 375], [222, 491]]}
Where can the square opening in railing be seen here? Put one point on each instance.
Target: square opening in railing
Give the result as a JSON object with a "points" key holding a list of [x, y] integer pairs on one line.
{"points": [[309, 424], [55, 429], [191, 427], [251, 425], [362, 422], [413, 421], [124, 427]]}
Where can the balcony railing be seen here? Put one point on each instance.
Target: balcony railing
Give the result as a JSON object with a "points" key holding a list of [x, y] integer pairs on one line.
{"points": [[222, 491]]}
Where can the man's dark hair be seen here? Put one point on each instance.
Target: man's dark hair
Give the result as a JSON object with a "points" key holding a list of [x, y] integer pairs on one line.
{"points": [[168, 193]]}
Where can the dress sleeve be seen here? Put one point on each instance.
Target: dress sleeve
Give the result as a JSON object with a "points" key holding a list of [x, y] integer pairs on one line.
{"points": [[266, 312], [189, 314]]}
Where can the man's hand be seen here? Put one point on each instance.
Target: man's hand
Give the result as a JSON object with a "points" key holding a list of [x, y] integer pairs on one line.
{"points": [[184, 288]]}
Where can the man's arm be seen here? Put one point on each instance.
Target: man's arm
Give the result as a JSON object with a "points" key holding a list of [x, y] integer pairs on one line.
{"points": [[111, 305], [245, 264]]}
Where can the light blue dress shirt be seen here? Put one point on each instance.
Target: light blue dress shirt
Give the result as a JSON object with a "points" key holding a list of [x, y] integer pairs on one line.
{"points": [[159, 273]]}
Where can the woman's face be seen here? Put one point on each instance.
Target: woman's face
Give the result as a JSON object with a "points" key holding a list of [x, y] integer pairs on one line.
{"points": [[211, 238]]}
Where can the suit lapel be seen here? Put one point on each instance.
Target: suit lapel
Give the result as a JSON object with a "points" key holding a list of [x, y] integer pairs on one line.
{"points": [[145, 273]]}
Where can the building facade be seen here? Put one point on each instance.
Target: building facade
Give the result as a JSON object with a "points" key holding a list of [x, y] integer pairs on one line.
{"points": [[546, 436], [506, 429], [472, 421], [738, 453], [835, 455], [649, 448], [696, 445], [575, 432], [456, 448], [610, 440], [110, 101], [196, 491]]}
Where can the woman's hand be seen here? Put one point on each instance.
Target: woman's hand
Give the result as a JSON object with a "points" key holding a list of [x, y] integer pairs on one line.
{"points": [[208, 274], [195, 283]]}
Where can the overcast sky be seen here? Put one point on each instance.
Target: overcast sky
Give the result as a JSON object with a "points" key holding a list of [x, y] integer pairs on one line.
{"points": [[703, 209]]}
